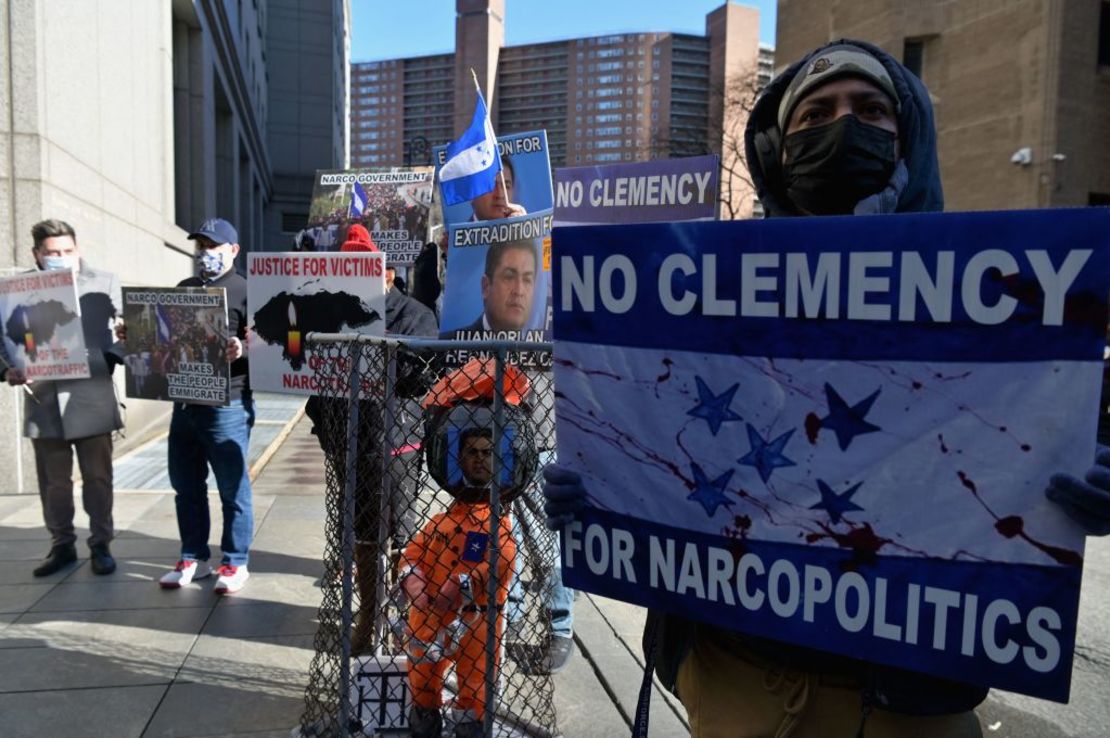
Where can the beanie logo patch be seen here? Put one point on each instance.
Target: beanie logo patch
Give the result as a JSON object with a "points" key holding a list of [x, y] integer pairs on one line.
{"points": [[821, 65]]}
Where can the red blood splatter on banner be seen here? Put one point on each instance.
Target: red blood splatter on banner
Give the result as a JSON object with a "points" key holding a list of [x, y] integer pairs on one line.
{"points": [[813, 427]]}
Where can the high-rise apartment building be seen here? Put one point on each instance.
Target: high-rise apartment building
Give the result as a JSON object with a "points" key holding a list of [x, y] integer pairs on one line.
{"points": [[1021, 89], [136, 120], [622, 97]]}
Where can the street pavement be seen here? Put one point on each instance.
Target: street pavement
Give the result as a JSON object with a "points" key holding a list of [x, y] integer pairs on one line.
{"points": [[117, 656]]}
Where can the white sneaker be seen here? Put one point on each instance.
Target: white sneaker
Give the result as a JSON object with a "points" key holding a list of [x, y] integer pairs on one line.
{"points": [[184, 573], [232, 579]]}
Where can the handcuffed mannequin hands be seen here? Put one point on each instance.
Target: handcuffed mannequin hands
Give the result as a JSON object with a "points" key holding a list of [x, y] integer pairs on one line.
{"points": [[1086, 500], [564, 495]]}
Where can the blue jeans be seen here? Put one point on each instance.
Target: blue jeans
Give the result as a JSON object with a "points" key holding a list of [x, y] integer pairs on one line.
{"points": [[218, 436], [528, 527]]}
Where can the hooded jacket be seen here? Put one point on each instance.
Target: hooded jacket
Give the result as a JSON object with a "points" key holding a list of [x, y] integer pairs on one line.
{"points": [[914, 187]]}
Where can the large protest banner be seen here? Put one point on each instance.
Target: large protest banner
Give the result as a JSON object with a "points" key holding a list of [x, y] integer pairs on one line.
{"points": [[641, 192], [40, 320], [837, 432], [290, 295], [177, 344], [393, 203]]}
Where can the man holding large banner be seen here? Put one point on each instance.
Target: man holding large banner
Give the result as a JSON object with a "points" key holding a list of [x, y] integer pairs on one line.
{"points": [[76, 409], [852, 425]]}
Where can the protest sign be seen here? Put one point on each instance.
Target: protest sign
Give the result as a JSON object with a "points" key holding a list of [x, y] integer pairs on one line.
{"points": [[290, 295], [177, 344], [516, 306], [394, 204], [527, 172], [837, 432], [40, 320], [513, 303], [642, 192]]}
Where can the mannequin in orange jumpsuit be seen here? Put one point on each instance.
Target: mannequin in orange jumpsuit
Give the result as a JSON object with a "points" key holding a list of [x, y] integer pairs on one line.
{"points": [[445, 574]]}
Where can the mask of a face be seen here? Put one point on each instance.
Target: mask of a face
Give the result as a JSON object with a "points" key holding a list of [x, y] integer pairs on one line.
{"points": [[53, 263], [830, 168], [211, 263]]}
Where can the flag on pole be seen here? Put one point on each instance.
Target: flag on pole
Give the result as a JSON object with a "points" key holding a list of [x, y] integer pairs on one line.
{"points": [[472, 162], [358, 201], [163, 325]]}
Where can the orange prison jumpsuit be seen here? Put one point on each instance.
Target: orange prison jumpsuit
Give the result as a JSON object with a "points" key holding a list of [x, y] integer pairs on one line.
{"points": [[453, 543]]}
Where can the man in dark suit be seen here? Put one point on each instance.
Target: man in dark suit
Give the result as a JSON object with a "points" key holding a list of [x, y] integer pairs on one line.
{"points": [[508, 286]]}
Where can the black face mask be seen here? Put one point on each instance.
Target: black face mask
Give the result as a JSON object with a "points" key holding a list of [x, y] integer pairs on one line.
{"points": [[830, 168]]}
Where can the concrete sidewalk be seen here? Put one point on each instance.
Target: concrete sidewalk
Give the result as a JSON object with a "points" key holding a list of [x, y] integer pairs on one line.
{"points": [[118, 656]]}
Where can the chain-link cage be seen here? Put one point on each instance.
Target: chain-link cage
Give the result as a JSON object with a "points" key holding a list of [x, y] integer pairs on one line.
{"points": [[439, 575]]}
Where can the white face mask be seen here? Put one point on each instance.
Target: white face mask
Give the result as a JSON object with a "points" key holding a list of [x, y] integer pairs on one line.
{"points": [[53, 263]]}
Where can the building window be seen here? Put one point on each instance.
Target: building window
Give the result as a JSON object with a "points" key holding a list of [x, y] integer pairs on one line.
{"points": [[1104, 35], [913, 55]]}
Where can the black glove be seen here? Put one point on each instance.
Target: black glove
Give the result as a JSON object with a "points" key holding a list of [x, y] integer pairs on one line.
{"points": [[564, 495], [1087, 500]]}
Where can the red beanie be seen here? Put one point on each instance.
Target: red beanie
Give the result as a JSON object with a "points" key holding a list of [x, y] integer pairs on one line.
{"points": [[358, 239]]}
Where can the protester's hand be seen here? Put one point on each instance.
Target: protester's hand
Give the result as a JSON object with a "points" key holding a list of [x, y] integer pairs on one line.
{"points": [[1086, 500], [234, 348], [564, 495], [121, 330], [16, 377], [512, 209]]}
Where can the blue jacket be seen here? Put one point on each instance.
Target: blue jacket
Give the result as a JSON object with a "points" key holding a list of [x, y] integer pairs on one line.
{"points": [[914, 187]]}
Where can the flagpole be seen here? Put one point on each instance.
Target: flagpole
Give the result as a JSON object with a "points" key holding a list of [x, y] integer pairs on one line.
{"points": [[500, 169]]}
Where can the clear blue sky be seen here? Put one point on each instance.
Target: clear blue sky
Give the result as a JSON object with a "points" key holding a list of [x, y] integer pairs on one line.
{"points": [[388, 29]]}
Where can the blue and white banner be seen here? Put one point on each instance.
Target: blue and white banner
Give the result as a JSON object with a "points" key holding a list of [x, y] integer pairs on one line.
{"points": [[640, 192], [527, 177], [472, 162], [837, 432], [358, 201]]}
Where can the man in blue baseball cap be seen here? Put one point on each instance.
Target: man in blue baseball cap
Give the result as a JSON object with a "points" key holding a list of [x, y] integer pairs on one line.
{"points": [[203, 436]]}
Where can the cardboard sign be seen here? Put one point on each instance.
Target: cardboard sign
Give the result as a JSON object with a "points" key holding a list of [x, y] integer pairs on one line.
{"points": [[177, 344], [290, 295], [40, 320]]}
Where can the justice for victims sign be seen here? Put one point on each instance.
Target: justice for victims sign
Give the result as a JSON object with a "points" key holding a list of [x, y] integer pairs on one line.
{"points": [[837, 432]]}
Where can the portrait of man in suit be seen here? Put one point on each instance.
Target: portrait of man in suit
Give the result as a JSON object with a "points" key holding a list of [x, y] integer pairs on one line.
{"points": [[508, 286]]}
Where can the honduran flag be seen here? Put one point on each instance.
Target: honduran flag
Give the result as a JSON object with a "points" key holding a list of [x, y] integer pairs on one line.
{"points": [[472, 161], [358, 202], [162, 325]]}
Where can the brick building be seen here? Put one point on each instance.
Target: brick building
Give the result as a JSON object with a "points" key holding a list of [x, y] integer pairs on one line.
{"points": [[622, 97]]}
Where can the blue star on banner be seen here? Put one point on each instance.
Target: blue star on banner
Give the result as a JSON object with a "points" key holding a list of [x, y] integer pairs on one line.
{"points": [[710, 495], [766, 456], [836, 505], [847, 422], [713, 409]]}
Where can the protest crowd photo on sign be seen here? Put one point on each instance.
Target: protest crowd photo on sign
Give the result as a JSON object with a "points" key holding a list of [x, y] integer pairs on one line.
{"points": [[750, 412]]}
